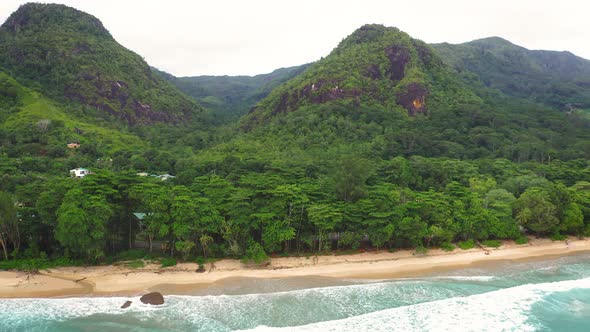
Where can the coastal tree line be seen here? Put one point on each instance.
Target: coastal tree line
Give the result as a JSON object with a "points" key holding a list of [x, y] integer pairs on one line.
{"points": [[234, 209]]}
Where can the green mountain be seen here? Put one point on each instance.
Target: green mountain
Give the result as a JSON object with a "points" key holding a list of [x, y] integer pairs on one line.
{"points": [[69, 56], [232, 96], [390, 95], [556, 79], [375, 66], [64, 79]]}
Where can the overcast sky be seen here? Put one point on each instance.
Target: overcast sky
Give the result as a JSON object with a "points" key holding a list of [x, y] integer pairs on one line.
{"points": [[248, 37]]}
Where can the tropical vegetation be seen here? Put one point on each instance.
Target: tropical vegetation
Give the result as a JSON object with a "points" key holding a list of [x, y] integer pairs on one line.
{"points": [[383, 144]]}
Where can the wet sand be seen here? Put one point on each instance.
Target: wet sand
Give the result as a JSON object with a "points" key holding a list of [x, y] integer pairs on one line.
{"points": [[229, 276]]}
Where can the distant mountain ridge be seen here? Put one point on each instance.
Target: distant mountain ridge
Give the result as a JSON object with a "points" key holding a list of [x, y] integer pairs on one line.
{"points": [[382, 93], [556, 79], [71, 57], [232, 96]]}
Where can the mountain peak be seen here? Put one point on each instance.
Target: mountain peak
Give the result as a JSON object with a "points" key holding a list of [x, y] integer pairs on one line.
{"points": [[368, 33], [71, 57], [491, 43], [35, 17], [376, 66]]}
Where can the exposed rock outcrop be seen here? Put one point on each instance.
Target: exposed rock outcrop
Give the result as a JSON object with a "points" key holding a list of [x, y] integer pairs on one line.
{"points": [[413, 98], [154, 298], [398, 59]]}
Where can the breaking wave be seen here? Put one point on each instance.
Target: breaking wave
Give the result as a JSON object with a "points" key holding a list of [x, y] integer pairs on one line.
{"points": [[505, 309]]}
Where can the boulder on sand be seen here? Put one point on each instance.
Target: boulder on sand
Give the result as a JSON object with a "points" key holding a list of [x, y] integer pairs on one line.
{"points": [[154, 298], [126, 304]]}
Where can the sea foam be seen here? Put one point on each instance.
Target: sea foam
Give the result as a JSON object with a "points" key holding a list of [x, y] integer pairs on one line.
{"points": [[501, 310], [484, 302], [230, 312]]}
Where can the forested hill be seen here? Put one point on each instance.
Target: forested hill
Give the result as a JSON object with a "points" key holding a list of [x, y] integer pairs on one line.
{"points": [[395, 93], [556, 79], [69, 56], [64, 79], [232, 96], [374, 66]]}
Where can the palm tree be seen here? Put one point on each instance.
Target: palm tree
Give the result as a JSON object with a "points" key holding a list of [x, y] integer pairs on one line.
{"points": [[205, 240]]}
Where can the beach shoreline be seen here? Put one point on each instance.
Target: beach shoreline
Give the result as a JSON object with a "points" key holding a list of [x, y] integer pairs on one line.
{"points": [[120, 280]]}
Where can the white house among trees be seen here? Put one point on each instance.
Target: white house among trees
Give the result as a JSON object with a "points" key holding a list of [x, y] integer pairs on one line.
{"points": [[79, 172]]}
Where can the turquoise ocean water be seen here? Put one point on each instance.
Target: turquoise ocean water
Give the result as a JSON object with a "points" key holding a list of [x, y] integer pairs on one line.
{"points": [[548, 295]]}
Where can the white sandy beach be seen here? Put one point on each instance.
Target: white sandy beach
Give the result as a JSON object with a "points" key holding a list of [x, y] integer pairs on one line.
{"points": [[121, 280]]}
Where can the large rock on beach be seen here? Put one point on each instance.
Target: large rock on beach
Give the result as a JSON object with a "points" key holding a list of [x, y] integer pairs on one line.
{"points": [[154, 298]]}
